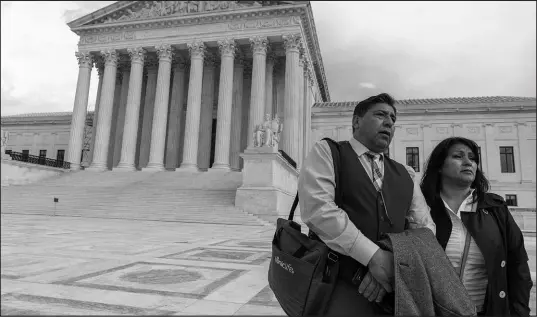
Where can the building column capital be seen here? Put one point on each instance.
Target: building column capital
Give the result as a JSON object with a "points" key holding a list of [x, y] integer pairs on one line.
{"points": [[137, 55], [227, 47], [111, 57], [165, 52], [259, 44], [85, 59], [197, 49], [292, 42]]}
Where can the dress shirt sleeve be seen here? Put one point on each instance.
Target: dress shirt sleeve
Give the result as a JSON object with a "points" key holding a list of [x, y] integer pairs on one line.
{"points": [[419, 214], [316, 191]]}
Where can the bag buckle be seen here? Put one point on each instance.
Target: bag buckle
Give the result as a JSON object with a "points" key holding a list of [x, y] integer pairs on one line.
{"points": [[333, 257]]}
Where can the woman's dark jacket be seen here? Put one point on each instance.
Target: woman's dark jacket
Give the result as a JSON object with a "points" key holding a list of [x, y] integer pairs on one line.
{"points": [[499, 238]]}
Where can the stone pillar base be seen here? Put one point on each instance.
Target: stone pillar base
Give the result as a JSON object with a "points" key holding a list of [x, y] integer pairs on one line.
{"points": [[124, 168], [94, 168], [269, 184], [188, 168], [152, 167], [219, 168]]}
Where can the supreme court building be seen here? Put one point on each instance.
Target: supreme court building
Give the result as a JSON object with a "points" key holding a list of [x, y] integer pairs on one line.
{"points": [[183, 84]]}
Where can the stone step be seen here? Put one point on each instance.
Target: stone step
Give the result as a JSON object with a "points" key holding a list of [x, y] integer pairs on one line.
{"points": [[166, 196]]}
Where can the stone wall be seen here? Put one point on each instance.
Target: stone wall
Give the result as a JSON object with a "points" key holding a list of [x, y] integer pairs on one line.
{"points": [[20, 173]]}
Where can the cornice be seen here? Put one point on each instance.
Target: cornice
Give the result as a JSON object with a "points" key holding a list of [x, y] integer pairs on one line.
{"points": [[430, 111], [191, 19]]}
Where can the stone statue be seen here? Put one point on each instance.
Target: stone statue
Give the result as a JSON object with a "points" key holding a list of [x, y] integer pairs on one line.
{"points": [[258, 136], [268, 133], [5, 137], [277, 130]]}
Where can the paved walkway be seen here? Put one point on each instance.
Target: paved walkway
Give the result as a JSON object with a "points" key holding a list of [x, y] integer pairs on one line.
{"points": [[90, 266]]}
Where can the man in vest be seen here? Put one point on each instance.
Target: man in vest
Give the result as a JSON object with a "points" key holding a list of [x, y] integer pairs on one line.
{"points": [[378, 195]]}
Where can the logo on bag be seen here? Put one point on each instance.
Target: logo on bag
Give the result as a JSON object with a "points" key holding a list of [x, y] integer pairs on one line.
{"points": [[284, 265]]}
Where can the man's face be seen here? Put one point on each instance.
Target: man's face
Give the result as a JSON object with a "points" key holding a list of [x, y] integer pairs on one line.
{"points": [[376, 128]]}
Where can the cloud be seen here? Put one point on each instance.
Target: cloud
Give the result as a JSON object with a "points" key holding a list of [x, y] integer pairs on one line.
{"points": [[367, 85], [428, 49], [39, 69]]}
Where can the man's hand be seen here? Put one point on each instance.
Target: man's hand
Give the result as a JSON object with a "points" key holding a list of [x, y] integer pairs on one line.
{"points": [[371, 289], [381, 267]]}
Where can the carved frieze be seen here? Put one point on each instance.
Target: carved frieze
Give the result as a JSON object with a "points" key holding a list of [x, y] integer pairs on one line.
{"points": [[107, 38], [155, 9], [264, 23], [442, 130]]}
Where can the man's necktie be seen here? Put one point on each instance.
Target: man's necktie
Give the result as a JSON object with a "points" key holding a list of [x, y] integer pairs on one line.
{"points": [[375, 165]]}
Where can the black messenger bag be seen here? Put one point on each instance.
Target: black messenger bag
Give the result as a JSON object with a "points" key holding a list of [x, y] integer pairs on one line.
{"points": [[303, 271]]}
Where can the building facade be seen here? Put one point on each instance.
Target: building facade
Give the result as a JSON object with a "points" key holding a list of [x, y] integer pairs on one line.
{"points": [[184, 84], [45, 134], [503, 128]]}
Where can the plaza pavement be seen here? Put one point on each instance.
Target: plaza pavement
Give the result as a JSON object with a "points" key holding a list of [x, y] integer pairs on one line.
{"points": [[90, 266]]}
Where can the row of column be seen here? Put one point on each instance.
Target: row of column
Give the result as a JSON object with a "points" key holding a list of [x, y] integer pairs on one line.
{"points": [[229, 111]]}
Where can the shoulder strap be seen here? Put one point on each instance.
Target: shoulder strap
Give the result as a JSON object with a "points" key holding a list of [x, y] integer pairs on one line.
{"points": [[334, 148]]}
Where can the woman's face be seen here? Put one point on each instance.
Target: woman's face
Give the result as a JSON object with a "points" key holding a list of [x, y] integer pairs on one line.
{"points": [[459, 166]]}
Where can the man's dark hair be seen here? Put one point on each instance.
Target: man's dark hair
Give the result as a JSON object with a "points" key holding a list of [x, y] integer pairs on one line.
{"points": [[431, 182], [363, 106]]}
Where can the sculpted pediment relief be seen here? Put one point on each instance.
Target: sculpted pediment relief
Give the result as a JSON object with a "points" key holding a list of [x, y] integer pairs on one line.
{"points": [[141, 10]]}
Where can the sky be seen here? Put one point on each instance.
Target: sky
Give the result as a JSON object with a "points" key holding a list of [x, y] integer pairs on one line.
{"points": [[411, 50]]}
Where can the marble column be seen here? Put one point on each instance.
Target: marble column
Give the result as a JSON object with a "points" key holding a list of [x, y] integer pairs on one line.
{"points": [[121, 114], [236, 114], [306, 127], [290, 133], [115, 110], [192, 123], [257, 95], [246, 91], [271, 60], [102, 137], [225, 98], [149, 107], [175, 119], [301, 67], [206, 114], [132, 113], [160, 116], [100, 72], [78, 121]]}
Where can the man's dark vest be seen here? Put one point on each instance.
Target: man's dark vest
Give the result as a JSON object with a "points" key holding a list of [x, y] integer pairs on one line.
{"points": [[364, 204]]}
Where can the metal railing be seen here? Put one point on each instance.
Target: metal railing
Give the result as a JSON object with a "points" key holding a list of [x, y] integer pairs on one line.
{"points": [[288, 158], [17, 156]]}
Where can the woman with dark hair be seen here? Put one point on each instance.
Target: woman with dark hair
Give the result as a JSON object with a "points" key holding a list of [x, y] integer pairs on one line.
{"points": [[477, 231]]}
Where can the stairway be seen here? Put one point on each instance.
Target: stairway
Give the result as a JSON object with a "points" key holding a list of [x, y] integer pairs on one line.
{"points": [[206, 197]]}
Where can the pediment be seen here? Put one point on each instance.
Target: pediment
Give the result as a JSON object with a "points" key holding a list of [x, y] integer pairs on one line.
{"points": [[126, 11]]}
